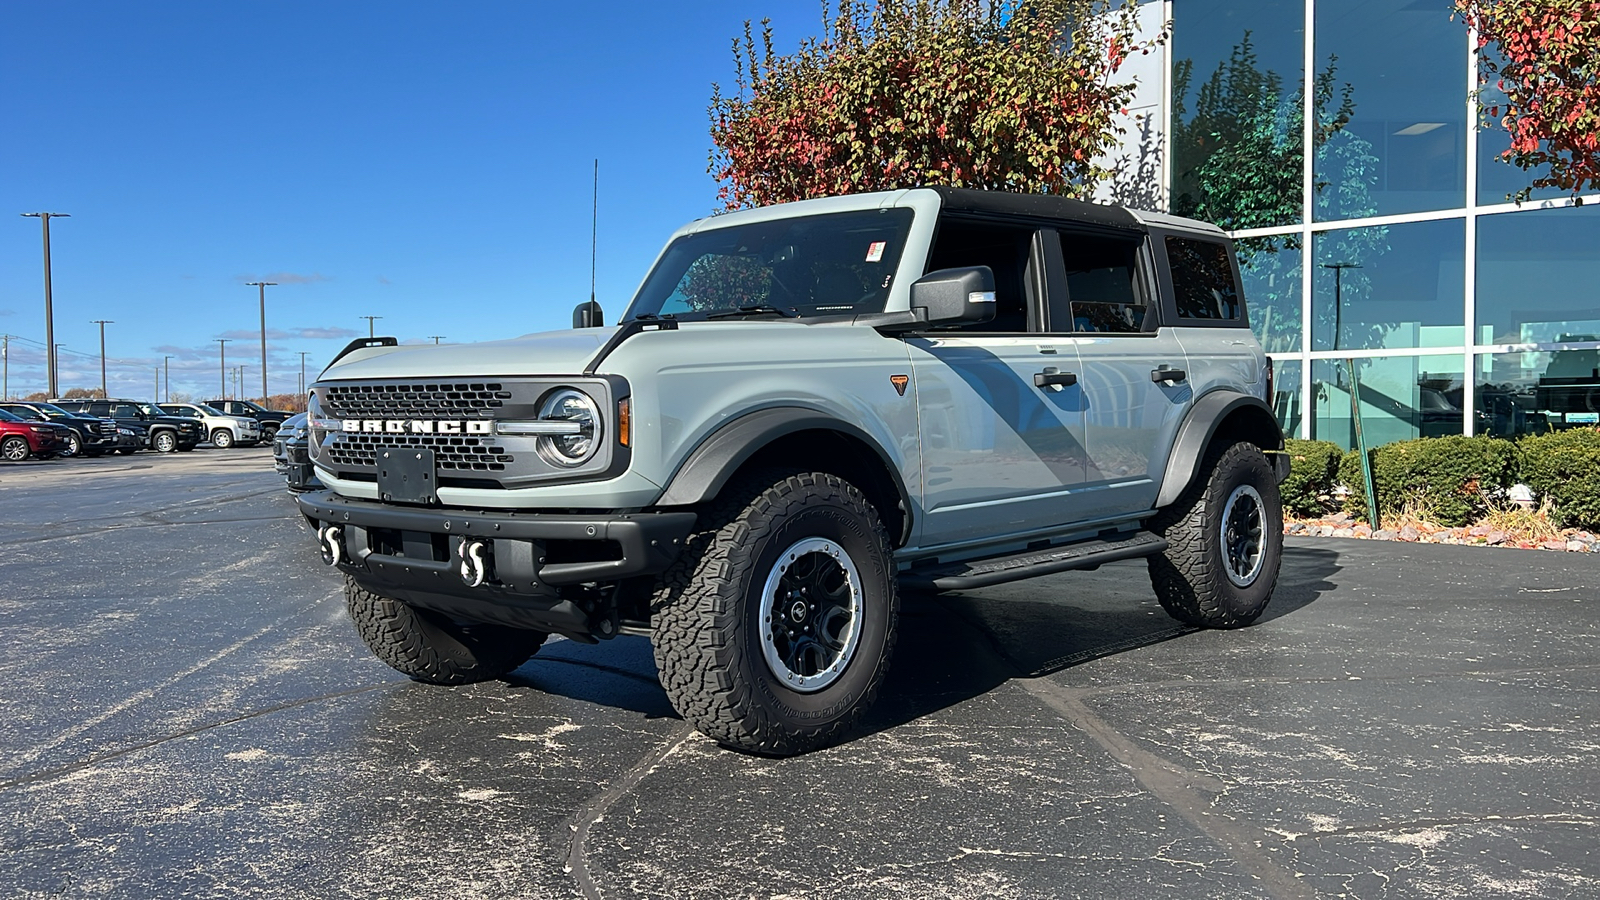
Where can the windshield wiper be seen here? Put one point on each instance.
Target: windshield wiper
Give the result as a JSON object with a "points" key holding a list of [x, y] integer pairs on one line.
{"points": [[754, 309]]}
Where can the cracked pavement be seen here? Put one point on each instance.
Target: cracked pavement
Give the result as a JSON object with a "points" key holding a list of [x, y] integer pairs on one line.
{"points": [[188, 713]]}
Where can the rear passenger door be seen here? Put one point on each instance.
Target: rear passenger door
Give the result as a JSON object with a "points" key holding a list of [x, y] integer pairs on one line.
{"points": [[1134, 372], [1209, 314]]}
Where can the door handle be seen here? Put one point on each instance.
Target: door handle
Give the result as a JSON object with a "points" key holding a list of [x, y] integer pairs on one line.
{"points": [[1053, 378], [1167, 373]]}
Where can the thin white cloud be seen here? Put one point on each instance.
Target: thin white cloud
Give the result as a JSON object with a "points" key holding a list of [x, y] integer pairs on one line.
{"points": [[285, 278], [279, 334]]}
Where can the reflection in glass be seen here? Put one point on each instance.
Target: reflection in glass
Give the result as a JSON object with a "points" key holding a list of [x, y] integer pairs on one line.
{"points": [[1396, 286], [1286, 394], [1402, 71], [1270, 269], [1498, 180], [1532, 393], [1401, 398], [1237, 112], [1539, 276]]}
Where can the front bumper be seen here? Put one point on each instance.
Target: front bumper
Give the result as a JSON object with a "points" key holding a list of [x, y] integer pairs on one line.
{"points": [[415, 555]]}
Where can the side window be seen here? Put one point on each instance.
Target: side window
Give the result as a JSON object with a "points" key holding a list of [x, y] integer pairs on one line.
{"points": [[1202, 279], [1102, 279], [100, 408], [1003, 248], [126, 411]]}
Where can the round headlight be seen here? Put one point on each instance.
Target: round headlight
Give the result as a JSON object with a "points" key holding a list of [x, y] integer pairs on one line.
{"points": [[317, 426], [575, 446]]}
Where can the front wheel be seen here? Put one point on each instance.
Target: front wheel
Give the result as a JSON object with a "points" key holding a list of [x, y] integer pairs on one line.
{"points": [[773, 630], [222, 439], [164, 442], [432, 647], [1225, 542], [74, 445], [14, 449]]}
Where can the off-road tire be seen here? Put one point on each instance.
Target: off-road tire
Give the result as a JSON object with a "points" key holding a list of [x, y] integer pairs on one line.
{"points": [[15, 449], [1191, 577], [707, 626], [431, 647], [74, 445], [222, 439], [164, 442]]}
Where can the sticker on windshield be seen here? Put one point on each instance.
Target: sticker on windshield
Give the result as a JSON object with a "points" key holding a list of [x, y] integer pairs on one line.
{"points": [[875, 251]]}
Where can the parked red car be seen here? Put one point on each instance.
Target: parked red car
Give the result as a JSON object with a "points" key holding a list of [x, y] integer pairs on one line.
{"points": [[20, 438]]}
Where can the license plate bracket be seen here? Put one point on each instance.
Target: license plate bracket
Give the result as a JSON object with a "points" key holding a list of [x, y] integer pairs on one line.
{"points": [[408, 475]]}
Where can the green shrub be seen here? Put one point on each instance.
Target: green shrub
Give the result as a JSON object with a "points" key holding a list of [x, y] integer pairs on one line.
{"points": [[1313, 472], [1446, 476], [1565, 466]]}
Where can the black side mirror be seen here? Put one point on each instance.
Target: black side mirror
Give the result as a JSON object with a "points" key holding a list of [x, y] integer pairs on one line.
{"points": [[588, 314], [963, 296]]}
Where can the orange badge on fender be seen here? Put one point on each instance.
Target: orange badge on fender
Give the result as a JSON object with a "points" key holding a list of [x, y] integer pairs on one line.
{"points": [[900, 382]]}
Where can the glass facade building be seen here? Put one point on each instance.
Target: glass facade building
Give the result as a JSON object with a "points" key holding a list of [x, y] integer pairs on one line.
{"points": [[1340, 143]]}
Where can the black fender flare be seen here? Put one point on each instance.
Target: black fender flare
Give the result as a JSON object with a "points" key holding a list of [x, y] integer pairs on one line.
{"points": [[1200, 426], [707, 469]]}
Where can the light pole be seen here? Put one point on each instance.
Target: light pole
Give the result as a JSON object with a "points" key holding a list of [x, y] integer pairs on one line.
{"points": [[103, 323], [371, 332], [263, 285], [157, 397], [166, 371], [49, 314], [222, 367], [436, 337], [5, 367], [303, 355]]}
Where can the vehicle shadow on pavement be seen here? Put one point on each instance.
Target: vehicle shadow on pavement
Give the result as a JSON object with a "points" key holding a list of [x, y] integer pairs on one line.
{"points": [[952, 647], [959, 646]]}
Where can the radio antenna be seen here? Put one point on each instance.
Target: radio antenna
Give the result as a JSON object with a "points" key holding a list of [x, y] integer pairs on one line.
{"points": [[594, 234]]}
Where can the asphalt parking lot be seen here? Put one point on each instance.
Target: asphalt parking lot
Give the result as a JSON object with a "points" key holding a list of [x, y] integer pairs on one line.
{"points": [[188, 713]]}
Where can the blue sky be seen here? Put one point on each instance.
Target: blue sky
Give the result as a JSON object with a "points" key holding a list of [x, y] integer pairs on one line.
{"points": [[428, 163]]}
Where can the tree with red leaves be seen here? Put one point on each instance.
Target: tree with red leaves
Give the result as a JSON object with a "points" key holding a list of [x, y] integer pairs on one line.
{"points": [[1016, 95], [1549, 72]]}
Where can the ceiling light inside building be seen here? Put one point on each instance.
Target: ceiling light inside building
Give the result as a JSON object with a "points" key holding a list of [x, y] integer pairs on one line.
{"points": [[1419, 128]]}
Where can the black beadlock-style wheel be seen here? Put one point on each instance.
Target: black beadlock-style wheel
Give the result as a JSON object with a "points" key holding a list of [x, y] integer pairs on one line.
{"points": [[774, 629], [431, 647], [1225, 537], [14, 449], [222, 439], [164, 442]]}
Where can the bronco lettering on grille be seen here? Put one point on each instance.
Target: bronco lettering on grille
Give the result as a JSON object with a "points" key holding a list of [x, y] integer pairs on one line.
{"points": [[416, 426]]}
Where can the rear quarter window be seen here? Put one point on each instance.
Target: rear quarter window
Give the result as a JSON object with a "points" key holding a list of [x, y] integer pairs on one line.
{"points": [[1203, 285]]}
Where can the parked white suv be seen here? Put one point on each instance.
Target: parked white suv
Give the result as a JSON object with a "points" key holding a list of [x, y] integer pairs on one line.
{"points": [[222, 430]]}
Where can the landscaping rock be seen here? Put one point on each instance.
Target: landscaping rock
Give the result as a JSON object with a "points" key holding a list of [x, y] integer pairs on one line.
{"points": [[1363, 531], [1409, 533], [1495, 537], [1344, 532], [1384, 534], [1577, 546], [1554, 545]]}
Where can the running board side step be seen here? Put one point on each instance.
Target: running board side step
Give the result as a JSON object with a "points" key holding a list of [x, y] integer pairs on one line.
{"points": [[979, 573]]}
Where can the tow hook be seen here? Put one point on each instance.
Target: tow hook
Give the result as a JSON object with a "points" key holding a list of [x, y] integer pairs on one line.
{"points": [[473, 568], [330, 540]]}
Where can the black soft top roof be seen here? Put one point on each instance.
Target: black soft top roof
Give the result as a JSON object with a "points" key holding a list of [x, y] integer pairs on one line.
{"points": [[1041, 206]]}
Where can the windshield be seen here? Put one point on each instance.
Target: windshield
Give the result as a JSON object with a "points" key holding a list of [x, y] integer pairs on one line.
{"points": [[210, 410], [255, 406], [836, 264], [8, 417], [53, 411], [150, 409]]}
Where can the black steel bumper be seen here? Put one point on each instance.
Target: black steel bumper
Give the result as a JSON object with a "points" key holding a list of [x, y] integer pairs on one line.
{"points": [[414, 555]]}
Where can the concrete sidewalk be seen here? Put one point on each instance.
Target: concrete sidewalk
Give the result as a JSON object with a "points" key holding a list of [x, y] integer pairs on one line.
{"points": [[189, 714]]}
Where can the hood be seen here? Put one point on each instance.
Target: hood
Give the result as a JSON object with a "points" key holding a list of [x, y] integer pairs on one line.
{"points": [[544, 353]]}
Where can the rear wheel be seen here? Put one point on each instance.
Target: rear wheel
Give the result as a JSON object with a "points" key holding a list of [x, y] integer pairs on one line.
{"points": [[1225, 542], [14, 449], [432, 647], [774, 629], [222, 439]]}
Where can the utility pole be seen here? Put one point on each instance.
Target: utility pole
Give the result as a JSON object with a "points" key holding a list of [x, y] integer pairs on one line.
{"points": [[239, 385], [157, 397], [49, 314], [303, 355], [222, 367], [263, 285], [5, 367], [371, 332], [103, 323], [166, 368], [437, 337]]}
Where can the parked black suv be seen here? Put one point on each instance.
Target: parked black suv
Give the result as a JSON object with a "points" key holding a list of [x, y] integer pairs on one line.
{"points": [[90, 436], [271, 419], [167, 433]]}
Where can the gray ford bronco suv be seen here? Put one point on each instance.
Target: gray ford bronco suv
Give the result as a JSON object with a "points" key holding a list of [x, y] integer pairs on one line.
{"points": [[805, 409]]}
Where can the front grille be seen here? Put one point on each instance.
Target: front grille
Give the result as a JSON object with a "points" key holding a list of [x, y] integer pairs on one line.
{"points": [[456, 452], [463, 400]]}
